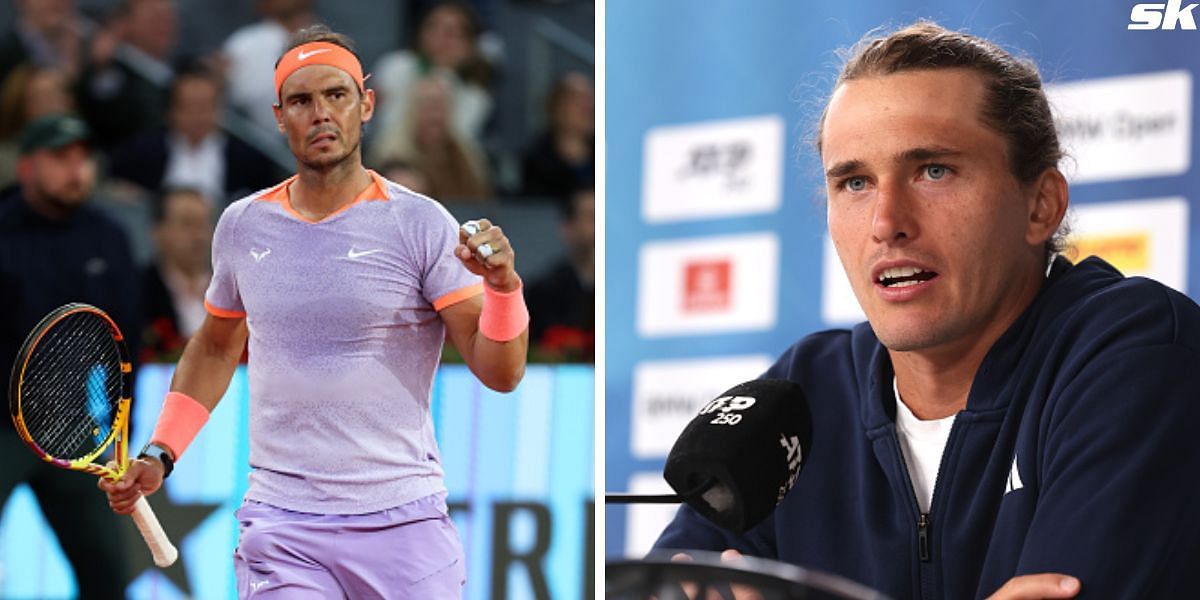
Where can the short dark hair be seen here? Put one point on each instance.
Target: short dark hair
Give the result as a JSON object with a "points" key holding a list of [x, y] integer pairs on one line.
{"points": [[560, 89], [1015, 104], [568, 209], [158, 205], [468, 12], [476, 69], [194, 70]]}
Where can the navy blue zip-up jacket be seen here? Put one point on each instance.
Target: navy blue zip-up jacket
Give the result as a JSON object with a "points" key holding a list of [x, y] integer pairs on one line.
{"points": [[44, 264], [1093, 393]]}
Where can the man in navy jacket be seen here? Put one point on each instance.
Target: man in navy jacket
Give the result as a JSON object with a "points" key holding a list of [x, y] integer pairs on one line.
{"points": [[192, 150], [1006, 424], [55, 248]]}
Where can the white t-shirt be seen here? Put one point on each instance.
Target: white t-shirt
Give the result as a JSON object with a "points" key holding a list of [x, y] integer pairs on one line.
{"points": [[923, 443], [201, 166], [252, 51]]}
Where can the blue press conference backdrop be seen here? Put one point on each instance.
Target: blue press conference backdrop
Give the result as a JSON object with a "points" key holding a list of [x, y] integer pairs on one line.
{"points": [[716, 252], [518, 467]]}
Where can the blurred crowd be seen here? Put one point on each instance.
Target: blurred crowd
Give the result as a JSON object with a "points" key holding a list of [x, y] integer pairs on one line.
{"points": [[169, 138]]}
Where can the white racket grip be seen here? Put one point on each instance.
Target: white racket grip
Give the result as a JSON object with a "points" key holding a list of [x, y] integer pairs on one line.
{"points": [[162, 549]]}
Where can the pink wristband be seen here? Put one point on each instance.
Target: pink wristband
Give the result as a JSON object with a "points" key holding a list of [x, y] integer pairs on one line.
{"points": [[181, 419], [504, 316]]}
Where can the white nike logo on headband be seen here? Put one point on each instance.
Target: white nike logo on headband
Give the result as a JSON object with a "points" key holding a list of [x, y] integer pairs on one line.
{"points": [[304, 55]]}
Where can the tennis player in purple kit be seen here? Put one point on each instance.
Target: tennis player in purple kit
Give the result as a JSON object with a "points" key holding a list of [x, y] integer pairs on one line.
{"points": [[346, 285]]}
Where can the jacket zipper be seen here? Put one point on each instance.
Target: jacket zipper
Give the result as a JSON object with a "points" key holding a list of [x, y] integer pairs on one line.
{"points": [[923, 537], [923, 521]]}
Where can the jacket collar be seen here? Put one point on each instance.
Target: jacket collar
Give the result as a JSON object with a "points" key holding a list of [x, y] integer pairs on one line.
{"points": [[1064, 286]]}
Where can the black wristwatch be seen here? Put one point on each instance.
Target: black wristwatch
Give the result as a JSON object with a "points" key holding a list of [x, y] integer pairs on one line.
{"points": [[152, 450]]}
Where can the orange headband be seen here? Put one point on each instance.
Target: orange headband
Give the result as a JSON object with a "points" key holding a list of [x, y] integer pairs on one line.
{"points": [[317, 53]]}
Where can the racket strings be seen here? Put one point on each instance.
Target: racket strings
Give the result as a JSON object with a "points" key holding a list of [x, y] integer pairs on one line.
{"points": [[72, 387], [62, 425]]}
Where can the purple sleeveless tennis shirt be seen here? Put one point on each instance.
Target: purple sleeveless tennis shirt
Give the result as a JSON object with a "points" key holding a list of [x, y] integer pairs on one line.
{"points": [[344, 341]]}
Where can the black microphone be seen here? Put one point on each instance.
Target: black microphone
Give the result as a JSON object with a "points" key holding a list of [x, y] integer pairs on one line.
{"points": [[738, 458], [747, 447]]}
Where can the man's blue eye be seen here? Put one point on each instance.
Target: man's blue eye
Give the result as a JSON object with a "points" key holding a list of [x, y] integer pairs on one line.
{"points": [[935, 172], [856, 184]]}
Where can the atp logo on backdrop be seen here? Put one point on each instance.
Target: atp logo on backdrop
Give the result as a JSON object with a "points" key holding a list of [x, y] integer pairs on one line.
{"points": [[1162, 16], [713, 169], [728, 163]]}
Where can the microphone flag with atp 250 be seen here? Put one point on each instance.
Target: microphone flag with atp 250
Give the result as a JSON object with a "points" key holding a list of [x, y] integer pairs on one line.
{"points": [[744, 451]]}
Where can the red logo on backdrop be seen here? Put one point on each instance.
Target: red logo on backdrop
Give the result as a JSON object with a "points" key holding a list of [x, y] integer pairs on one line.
{"points": [[706, 285]]}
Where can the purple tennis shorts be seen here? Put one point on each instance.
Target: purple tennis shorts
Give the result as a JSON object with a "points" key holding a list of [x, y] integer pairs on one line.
{"points": [[410, 551]]}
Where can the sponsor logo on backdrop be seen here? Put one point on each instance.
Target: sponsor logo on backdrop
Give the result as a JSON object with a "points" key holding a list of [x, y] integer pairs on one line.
{"points": [[1163, 16], [708, 285], [1129, 252], [713, 169], [1125, 127], [668, 394], [1138, 237]]}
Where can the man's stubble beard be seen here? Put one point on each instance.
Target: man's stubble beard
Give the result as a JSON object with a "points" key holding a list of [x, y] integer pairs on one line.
{"points": [[911, 342], [65, 203], [907, 337], [329, 164]]}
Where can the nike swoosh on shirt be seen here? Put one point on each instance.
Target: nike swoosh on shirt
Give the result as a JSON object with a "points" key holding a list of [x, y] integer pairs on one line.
{"points": [[304, 55], [353, 254]]}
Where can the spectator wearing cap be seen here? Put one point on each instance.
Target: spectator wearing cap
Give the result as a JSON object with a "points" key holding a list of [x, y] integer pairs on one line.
{"points": [[55, 249]]}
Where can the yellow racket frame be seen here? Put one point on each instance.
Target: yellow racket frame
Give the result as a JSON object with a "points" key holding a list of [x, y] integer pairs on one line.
{"points": [[120, 430], [147, 524]]}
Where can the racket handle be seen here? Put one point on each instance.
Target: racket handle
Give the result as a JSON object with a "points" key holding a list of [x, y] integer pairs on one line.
{"points": [[147, 524]]}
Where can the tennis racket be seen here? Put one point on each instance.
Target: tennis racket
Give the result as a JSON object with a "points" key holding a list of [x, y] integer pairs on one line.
{"points": [[69, 396]]}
